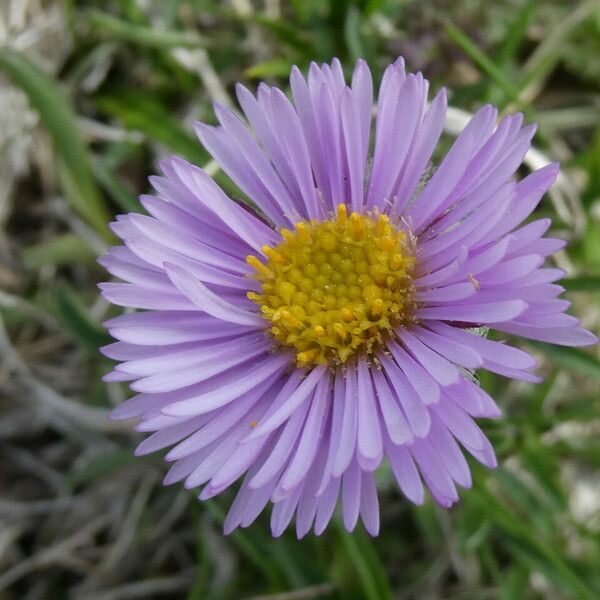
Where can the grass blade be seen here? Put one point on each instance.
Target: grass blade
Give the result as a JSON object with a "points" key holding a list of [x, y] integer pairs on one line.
{"points": [[65, 249], [482, 60], [571, 358], [278, 67], [141, 35], [547, 55], [516, 34], [546, 554], [370, 571], [139, 112], [58, 118], [78, 322], [114, 188], [589, 283], [248, 545]]}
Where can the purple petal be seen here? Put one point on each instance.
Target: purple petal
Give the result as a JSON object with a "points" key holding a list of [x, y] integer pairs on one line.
{"points": [[420, 379], [564, 336], [490, 312], [283, 448], [351, 132], [405, 472], [369, 503], [349, 427], [488, 349], [454, 351], [395, 422], [415, 411], [310, 437], [362, 89], [335, 430], [426, 137], [209, 302], [443, 371], [126, 294], [351, 486], [302, 392], [369, 444], [326, 506], [222, 393]]}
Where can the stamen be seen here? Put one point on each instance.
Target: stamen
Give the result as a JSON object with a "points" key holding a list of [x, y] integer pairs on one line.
{"points": [[335, 288]]}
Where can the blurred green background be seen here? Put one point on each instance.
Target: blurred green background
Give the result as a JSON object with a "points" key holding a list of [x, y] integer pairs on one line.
{"points": [[92, 94]]}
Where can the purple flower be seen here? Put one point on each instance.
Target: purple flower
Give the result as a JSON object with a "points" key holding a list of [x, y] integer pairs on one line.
{"points": [[299, 347]]}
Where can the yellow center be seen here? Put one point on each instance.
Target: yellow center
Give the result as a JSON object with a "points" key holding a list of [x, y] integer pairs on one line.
{"points": [[333, 288]]}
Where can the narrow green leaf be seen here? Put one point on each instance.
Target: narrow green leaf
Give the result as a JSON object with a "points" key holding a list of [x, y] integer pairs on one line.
{"points": [[584, 283], [78, 322], [140, 112], [546, 56], [57, 116], [490, 562], [118, 192], [515, 584], [353, 35], [278, 67], [132, 11], [204, 557], [530, 539], [287, 33], [248, 546], [140, 34], [105, 464], [65, 249], [582, 448], [571, 358], [482, 60], [516, 33], [302, 9], [367, 563], [521, 495], [537, 561], [374, 6]]}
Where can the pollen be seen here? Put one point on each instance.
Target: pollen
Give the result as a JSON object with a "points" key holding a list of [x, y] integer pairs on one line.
{"points": [[335, 288]]}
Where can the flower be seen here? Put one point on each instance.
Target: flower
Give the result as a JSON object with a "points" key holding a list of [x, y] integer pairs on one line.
{"points": [[298, 344]]}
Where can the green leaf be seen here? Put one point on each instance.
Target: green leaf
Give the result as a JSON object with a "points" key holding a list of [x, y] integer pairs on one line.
{"points": [[522, 496], [287, 33], [65, 249], [105, 464], [589, 283], [132, 10], [482, 60], [571, 358], [204, 557], [353, 35], [78, 322], [369, 569], [140, 34], [530, 541], [58, 118], [249, 546], [118, 192], [515, 584], [303, 9], [516, 33], [538, 561], [278, 67], [547, 55], [140, 112]]}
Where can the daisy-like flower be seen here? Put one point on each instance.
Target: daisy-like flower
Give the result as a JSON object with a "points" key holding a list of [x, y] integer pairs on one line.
{"points": [[298, 344]]}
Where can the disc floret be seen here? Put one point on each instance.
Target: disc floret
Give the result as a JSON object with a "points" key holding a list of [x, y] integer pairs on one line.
{"points": [[334, 288]]}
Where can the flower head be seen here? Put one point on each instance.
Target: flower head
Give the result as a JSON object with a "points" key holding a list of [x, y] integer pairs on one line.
{"points": [[298, 344]]}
